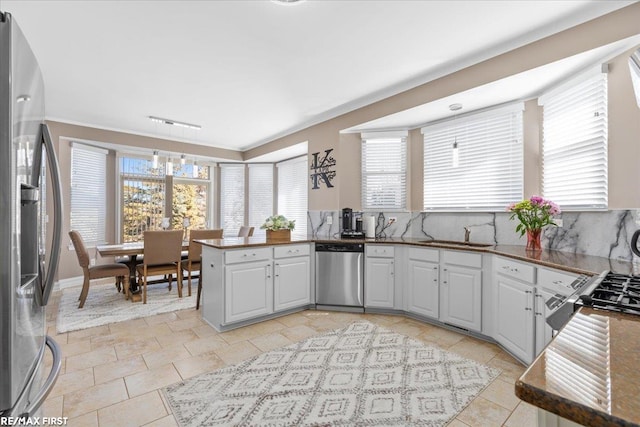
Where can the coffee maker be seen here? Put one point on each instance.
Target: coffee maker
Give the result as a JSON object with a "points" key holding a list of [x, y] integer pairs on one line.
{"points": [[351, 224]]}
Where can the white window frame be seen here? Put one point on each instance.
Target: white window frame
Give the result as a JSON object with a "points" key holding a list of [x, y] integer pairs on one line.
{"points": [[490, 170], [574, 142], [384, 162], [161, 176], [88, 207], [293, 185], [225, 200], [260, 192]]}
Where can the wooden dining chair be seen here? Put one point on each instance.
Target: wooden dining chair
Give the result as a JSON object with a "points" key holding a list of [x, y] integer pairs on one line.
{"points": [[192, 263], [119, 271], [245, 231], [161, 257]]}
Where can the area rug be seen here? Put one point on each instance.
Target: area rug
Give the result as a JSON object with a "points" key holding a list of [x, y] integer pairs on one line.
{"points": [[359, 375], [106, 305]]}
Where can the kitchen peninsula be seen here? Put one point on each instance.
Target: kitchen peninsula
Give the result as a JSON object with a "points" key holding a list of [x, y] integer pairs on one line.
{"points": [[247, 280]]}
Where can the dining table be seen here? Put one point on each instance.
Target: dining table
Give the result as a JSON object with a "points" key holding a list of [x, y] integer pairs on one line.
{"points": [[131, 250]]}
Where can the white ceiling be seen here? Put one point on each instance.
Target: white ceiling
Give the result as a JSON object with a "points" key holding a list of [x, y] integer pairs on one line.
{"points": [[518, 87], [251, 71]]}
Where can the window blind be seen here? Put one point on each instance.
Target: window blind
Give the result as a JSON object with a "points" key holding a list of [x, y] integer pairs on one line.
{"points": [[489, 173], [260, 195], [574, 147], [231, 198], [88, 199], [293, 182], [384, 171]]}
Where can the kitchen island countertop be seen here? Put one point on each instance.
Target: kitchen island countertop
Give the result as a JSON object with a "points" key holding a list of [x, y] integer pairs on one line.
{"points": [[588, 373]]}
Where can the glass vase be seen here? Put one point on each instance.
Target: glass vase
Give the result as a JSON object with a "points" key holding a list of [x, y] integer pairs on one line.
{"points": [[533, 240]]}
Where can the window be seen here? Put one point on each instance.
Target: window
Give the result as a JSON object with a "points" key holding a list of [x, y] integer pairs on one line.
{"points": [[489, 170], [384, 171], [293, 176], [574, 147], [260, 195], [148, 195], [88, 188], [231, 198]]}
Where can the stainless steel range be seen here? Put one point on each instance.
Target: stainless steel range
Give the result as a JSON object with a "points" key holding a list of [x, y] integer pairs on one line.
{"points": [[613, 292], [607, 291]]}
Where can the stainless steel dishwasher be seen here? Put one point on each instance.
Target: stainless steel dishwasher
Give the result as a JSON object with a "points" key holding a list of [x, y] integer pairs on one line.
{"points": [[339, 276]]}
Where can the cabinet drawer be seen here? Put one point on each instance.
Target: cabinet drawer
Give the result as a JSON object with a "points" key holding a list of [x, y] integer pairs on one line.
{"points": [[515, 269], [380, 251], [421, 254], [246, 255], [466, 259], [554, 279], [285, 251]]}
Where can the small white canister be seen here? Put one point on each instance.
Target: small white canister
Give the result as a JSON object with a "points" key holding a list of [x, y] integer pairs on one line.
{"points": [[370, 227]]}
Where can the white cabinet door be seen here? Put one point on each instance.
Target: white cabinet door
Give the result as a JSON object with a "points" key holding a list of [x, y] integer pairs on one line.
{"points": [[422, 288], [514, 317], [461, 297], [248, 290], [291, 283], [379, 282], [544, 333]]}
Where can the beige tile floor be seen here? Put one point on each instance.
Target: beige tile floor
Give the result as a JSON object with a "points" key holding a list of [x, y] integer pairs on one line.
{"points": [[112, 375]]}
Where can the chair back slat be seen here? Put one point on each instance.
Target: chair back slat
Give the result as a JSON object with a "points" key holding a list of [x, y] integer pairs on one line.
{"points": [[245, 231], [162, 247], [195, 249], [80, 248]]}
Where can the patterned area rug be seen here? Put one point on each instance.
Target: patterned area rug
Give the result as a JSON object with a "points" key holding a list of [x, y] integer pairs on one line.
{"points": [[106, 305], [359, 375]]}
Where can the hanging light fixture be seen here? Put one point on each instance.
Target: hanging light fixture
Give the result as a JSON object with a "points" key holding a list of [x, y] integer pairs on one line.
{"points": [[455, 160], [168, 167], [154, 163], [183, 159], [195, 169]]}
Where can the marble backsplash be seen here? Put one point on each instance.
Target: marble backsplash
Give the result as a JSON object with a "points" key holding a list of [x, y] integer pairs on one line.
{"points": [[602, 233]]}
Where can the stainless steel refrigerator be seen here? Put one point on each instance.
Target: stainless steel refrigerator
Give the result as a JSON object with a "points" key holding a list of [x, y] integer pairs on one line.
{"points": [[27, 166]]}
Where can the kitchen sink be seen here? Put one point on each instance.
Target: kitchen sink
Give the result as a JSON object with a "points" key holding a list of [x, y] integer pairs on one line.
{"points": [[458, 243]]}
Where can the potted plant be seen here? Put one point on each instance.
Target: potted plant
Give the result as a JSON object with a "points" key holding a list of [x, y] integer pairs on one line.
{"points": [[278, 228], [534, 214]]}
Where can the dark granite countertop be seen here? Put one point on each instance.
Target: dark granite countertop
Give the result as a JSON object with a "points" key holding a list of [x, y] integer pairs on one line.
{"points": [[567, 261], [588, 373]]}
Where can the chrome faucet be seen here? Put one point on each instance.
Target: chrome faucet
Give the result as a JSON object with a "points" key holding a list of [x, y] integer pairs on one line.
{"points": [[467, 233]]}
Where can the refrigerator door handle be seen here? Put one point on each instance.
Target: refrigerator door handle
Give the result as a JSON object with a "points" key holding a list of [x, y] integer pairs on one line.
{"points": [[51, 379], [52, 163]]}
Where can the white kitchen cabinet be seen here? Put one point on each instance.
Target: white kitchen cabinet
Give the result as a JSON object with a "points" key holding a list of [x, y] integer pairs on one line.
{"points": [[291, 283], [461, 296], [379, 277], [248, 290], [423, 288], [514, 327]]}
